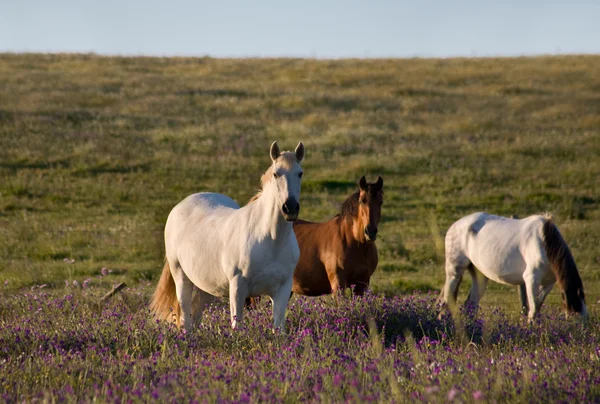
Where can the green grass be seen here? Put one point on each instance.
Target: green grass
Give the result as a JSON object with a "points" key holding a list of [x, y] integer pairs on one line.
{"points": [[95, 151]]}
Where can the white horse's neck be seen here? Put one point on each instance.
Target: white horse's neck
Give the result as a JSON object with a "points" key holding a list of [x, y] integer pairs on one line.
{"points": [[268, 218]]}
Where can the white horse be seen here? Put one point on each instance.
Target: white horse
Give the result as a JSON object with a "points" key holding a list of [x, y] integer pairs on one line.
{"points": [[219, 249], [530, 251]]}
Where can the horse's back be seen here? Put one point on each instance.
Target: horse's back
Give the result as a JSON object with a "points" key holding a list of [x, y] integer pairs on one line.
{"points": [[506, 230], [457, 235], [194, 238], [189, 218], [203, 202], [499, 247], [495, 227], [473, 222], [197, 206]]}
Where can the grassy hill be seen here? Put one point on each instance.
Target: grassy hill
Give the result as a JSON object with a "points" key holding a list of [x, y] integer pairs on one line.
{"points": [[95, 151]]}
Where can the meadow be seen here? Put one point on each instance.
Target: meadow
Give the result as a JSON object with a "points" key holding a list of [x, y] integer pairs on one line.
{"points": [[95, 151]]}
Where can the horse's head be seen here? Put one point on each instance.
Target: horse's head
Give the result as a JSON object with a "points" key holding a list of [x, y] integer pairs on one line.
{"points": [[574, 301], [287, 176], [370, 199]]}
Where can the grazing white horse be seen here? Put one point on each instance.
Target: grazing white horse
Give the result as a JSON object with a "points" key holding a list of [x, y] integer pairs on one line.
{"points": [[530, 251], [216, 248]]}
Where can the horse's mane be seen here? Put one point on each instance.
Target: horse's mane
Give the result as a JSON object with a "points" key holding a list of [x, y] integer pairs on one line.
{"points": [[561, 261], [287, 158], [349, 207]]}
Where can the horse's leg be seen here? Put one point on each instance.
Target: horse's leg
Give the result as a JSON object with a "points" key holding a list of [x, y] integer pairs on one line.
{"points": [[531, 277], [454, 274], [544, 293], [251, 303], [238, 292], [336, 280], [478, 286], [183, 288], [200, 300], [280, 300], [361, 287], [523, 297], [456, 263], [449, 293], [455, 294]]}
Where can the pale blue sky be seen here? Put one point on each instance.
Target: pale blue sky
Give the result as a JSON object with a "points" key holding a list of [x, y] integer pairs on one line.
{"points": [[310, 28]]}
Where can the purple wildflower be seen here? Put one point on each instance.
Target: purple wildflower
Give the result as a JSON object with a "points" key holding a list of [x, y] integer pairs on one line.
{"points": [[452, 394]]}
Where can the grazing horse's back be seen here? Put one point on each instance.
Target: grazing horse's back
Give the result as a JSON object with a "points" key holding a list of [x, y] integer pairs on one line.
{"points": [[498, 247], [529, 252]]}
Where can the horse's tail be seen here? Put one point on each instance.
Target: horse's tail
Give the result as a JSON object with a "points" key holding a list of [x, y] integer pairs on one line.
{"points": [[164, 301], [561, 260]]}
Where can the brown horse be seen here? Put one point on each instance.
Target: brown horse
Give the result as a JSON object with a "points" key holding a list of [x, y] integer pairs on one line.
{"points": [[341, 252]]}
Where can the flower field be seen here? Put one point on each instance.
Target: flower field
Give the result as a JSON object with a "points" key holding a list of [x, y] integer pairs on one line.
{"points": [[95, 151], [373, 349]]}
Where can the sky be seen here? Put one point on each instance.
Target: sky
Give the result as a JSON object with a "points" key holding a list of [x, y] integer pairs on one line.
{"points": [[309, 28]]}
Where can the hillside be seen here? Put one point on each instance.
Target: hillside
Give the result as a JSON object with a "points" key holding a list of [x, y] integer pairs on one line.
{"points": [[95, 151]]}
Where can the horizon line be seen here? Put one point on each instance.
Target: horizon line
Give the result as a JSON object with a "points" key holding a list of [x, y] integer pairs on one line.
{"points": [[298, 56]]}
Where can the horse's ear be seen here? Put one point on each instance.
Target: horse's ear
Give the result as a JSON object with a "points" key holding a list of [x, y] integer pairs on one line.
{"points": [[379, 183], [363, 183], [274, 151], [299, 152]]}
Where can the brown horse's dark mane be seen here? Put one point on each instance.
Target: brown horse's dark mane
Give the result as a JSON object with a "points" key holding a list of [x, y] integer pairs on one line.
{"points": [[349, 207]]}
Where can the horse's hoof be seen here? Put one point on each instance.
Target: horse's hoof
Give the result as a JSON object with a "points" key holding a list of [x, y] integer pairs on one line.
{"points": [[279, 331]]}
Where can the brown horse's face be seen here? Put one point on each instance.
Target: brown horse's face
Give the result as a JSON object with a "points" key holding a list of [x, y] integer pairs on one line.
{"points": [[370, 199]]}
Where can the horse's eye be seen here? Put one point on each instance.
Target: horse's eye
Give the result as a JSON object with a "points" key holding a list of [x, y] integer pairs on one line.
{"points": [[300, 175], [274, 175]]}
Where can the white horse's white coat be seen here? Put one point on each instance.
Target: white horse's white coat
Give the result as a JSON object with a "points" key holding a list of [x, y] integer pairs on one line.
{"points": [[223, 250], [507, 251]]}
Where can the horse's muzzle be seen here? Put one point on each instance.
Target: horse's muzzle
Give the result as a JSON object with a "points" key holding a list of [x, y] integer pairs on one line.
{"points": [[290, 210], [371, 233]]}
